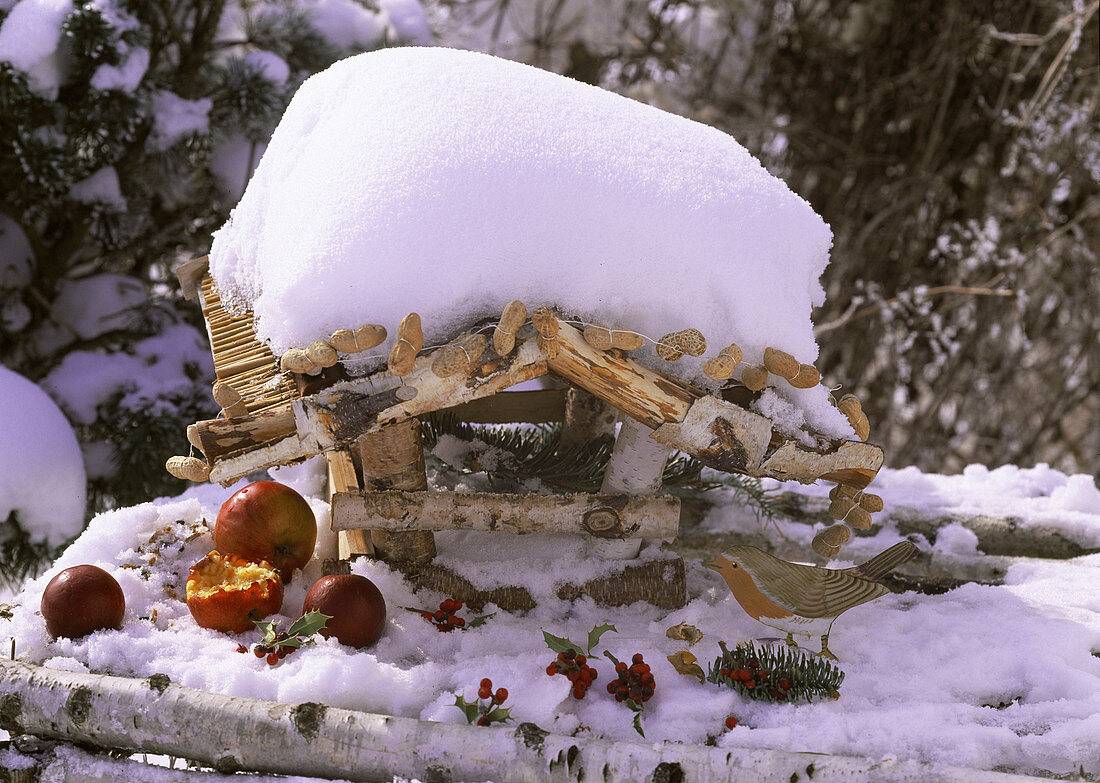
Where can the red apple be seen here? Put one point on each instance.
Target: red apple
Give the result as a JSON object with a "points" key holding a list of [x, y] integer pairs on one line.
{"points": [[228, 593], [267, 521], [357, 608], [82, 599]]}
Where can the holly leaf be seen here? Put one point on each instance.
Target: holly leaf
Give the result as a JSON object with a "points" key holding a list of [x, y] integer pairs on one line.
{"points": [[480, 620], [595, 634], [267, 629], [560, 645], [468, 709], [638, 724], [308, 624], [500, 714]]}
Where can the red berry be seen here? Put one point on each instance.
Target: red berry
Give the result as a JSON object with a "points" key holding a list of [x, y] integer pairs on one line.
{"points": [[611, 687], [731, 722], [259, 651], [426, 615], [750, 684], [458, 622], [272, 658], [484, 693], [552, 669], [578, 692], [637, 658], [594, 674], [487, 684], [241, 648], [784, 683], [483, 720], [456, 604], [501, 695], [620, 666], [581, 660], [440, 616]]}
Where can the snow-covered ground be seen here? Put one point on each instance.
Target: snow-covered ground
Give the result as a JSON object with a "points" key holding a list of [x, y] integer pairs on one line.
{"points": [[990, 677]]}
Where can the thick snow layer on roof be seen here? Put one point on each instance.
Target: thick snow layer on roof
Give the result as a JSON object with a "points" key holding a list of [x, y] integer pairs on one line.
{"points": [[449, 182], [41, 468]]}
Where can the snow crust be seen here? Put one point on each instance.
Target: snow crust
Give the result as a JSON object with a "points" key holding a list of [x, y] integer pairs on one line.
{"points": [[451, 182], [41, 469], [986, 677]]}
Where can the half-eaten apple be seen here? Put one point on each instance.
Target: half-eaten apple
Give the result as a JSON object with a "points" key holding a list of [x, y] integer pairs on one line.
{"points": [[228, 593]]}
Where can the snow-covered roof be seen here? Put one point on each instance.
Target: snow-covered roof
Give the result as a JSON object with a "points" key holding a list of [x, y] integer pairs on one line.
{"points": [[450, 182]]}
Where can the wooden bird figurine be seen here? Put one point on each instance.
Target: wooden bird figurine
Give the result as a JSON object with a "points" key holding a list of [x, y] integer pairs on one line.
{"points": [[804, 599]]}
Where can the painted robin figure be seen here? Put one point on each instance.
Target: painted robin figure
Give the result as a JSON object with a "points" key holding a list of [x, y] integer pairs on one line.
{"points": [[804, 599]]}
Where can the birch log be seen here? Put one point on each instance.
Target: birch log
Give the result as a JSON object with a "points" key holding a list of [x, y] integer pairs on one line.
{"points": [[392, 458], [154, 715], [636, 467], [604, 516]]}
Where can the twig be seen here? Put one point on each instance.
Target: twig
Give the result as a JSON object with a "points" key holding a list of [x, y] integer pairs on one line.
{"points": [[916, 294]]}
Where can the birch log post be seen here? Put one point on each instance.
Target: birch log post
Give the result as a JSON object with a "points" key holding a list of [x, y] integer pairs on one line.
{"points": [[309, 739], [587, 418], [392, 458], [636, 467]]}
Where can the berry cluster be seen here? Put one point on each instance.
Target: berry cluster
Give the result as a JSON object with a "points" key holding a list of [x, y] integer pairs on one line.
{"points": [[751, 676], [575, 667], [444, 618], [634, 684], [489, 712], [272, 652], [777, 675]]}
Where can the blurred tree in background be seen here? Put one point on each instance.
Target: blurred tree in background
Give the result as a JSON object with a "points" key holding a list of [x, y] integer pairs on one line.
{"points": [[128, 129], [953, 146]]}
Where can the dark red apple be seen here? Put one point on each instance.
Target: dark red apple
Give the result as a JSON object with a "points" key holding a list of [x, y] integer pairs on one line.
{"points": [[267, 521], [356, 607], [82, 599], [228, 593]]}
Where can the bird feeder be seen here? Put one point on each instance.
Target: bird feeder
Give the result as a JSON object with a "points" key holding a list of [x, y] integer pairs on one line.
{"points": [[281, 410]]}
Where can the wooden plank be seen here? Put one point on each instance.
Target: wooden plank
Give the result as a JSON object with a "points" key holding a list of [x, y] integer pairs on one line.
{"points": [[539, 406], [342, 478], [600, 516]]}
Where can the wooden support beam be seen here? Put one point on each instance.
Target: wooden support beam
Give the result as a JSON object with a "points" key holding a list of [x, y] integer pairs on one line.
{"points": [[602, 516], [392, 459], [539, 406]]}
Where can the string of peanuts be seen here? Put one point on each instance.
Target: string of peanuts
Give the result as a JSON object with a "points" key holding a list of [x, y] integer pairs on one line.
{"points": [[467, 348]]}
